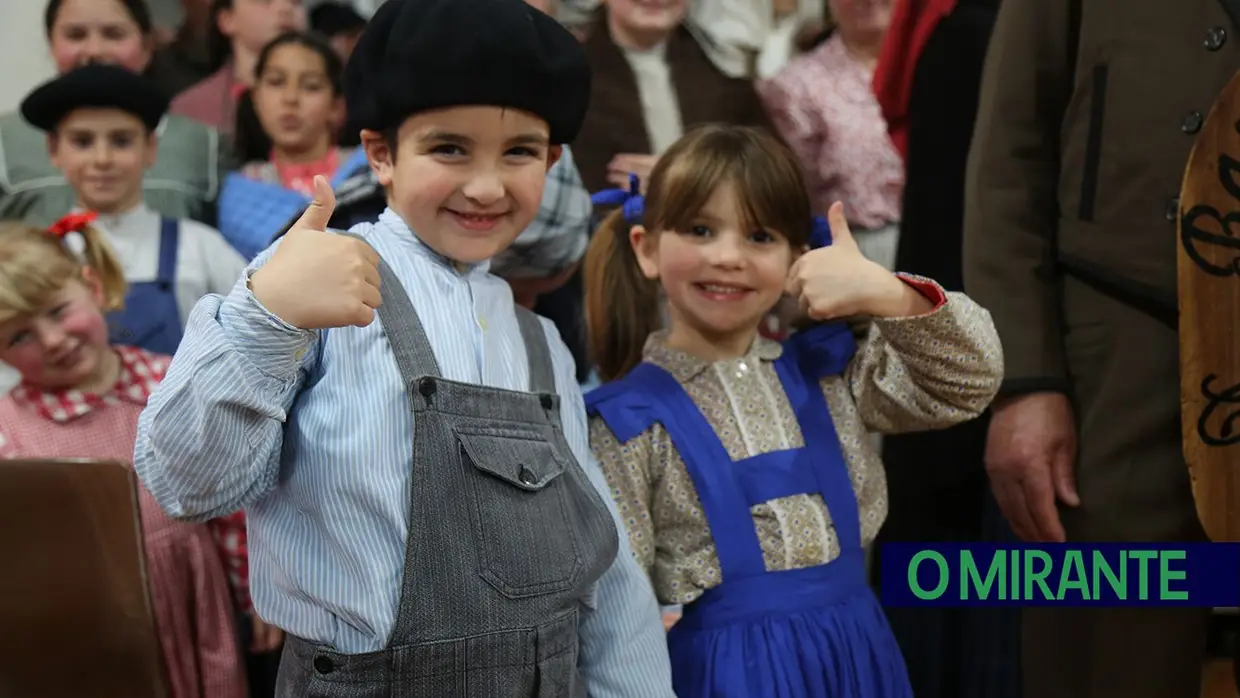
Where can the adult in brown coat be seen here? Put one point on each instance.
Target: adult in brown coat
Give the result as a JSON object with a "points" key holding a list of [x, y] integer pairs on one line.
{"points": [[1087, 115]]}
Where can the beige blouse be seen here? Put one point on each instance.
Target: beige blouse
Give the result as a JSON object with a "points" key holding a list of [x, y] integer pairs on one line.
{"points": [[909, 374]]}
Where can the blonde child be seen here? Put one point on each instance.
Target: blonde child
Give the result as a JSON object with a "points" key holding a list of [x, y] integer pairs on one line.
{"points": [[80, 397], [740, 465]]}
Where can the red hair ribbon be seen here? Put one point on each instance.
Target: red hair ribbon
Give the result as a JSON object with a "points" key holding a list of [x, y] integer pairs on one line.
{"points": [[72, 223]]}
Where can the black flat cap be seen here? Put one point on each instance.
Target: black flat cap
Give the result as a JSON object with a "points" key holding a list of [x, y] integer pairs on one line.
{"points": [[419, 55], [96, 85]]}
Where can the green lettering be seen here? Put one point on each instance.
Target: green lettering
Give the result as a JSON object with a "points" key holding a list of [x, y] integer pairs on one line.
{"points": [[1102, 568], [1038, 577], [970, 578], [1073, 563], [944, 575], [1167, 575], [1143, 576]]}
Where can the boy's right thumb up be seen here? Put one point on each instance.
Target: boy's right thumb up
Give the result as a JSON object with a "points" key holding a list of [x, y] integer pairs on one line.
{"points": [[319, 212]]}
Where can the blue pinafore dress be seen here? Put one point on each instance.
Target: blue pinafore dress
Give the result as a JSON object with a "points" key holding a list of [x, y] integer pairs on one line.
{"points": [[816, 632]]}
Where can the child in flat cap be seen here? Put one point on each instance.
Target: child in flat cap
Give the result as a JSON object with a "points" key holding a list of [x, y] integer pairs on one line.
{"points": [[411, 448], [101, 121]]}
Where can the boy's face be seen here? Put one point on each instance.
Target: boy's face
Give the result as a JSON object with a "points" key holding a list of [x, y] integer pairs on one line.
{"points": [[103, 153], [466, 179]]}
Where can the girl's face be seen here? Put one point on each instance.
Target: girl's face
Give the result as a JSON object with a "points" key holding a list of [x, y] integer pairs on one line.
{"points": [[104, 154], [252, 24], [295, 101], [65, 343], [721, 278], [100, 31]]}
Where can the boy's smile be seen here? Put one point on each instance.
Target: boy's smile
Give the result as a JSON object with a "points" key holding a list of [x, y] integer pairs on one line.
{"points": [[104, 154], [467, 180]]}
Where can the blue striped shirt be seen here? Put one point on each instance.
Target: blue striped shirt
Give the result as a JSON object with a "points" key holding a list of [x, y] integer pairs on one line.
{"points": [[312, 433]]}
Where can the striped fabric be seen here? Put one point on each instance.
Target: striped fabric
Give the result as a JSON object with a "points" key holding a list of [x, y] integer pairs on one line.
{"points": [[250, 402]]}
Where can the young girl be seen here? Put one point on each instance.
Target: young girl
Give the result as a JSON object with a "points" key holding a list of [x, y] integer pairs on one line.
{"points": [[741, 465], [286, 126], [80, 398]]}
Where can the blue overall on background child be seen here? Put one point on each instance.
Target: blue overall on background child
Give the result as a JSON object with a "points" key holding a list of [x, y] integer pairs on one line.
{"points": [[286, 137], [101, 120], [741, 465], [410, 447]]}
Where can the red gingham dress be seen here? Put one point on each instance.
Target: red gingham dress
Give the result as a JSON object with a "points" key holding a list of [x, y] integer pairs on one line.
{"points": [[189, 588]]}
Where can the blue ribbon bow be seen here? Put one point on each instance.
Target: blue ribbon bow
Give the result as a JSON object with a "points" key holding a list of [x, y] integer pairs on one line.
{"points": [[633, 206], [631, 199]]}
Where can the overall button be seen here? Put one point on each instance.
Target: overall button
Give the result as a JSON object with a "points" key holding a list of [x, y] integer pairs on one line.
{"points": [[1215, 38], [547, 401], [1192, 122], [427, 387], [1172, 210], [324, 665], [527, 477]]}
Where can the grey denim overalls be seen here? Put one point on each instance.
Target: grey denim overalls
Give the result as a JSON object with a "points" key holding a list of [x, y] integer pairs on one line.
{"points": [[507, 538]]}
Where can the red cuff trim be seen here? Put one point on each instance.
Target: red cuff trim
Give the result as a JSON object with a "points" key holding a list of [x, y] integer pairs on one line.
{"points": [[928, 289]]}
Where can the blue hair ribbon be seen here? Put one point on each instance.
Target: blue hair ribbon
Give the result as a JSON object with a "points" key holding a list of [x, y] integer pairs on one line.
{"points": [[633, 205], [631, 200]]}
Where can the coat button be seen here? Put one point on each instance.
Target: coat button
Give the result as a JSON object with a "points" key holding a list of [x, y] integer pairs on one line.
{"points": [[426, 387], [527, 477], [1215, 38], [547, 401], [1192, 122], [1172, 210], [324, 665]]}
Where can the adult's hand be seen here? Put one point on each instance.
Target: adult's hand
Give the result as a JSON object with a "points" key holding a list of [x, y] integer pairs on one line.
{"points": [[1031, 461]]}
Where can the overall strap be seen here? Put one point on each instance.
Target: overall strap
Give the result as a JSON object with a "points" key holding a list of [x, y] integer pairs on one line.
{"points": [[542, 373], [169, 234], [710, 467], [414, 356], [799, 375]]}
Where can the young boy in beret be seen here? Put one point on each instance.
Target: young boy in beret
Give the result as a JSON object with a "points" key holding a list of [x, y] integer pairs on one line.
{"points": [[426, 519]]}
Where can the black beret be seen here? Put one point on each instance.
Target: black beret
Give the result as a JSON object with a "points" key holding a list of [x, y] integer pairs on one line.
{"points": [[419, 55], [95, 85]]}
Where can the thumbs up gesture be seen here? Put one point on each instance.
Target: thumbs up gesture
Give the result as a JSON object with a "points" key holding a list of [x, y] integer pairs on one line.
{"points": [[837, 281], [316, 279]]}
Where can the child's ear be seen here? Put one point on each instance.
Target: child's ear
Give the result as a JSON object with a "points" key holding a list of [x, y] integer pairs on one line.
{"points": [[645, 250], [554, 153], [381, 154], [152, 149], [53, 148]]}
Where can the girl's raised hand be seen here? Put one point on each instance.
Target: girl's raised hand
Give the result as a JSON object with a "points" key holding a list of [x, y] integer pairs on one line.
{"points": [[837, 281]]}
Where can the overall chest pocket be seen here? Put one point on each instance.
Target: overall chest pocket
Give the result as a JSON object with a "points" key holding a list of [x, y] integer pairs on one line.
{"points": [[520, 513]]}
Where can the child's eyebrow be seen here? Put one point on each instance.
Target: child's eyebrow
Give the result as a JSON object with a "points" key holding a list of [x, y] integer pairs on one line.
{"points": [[538, 139], [529, 139]]}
